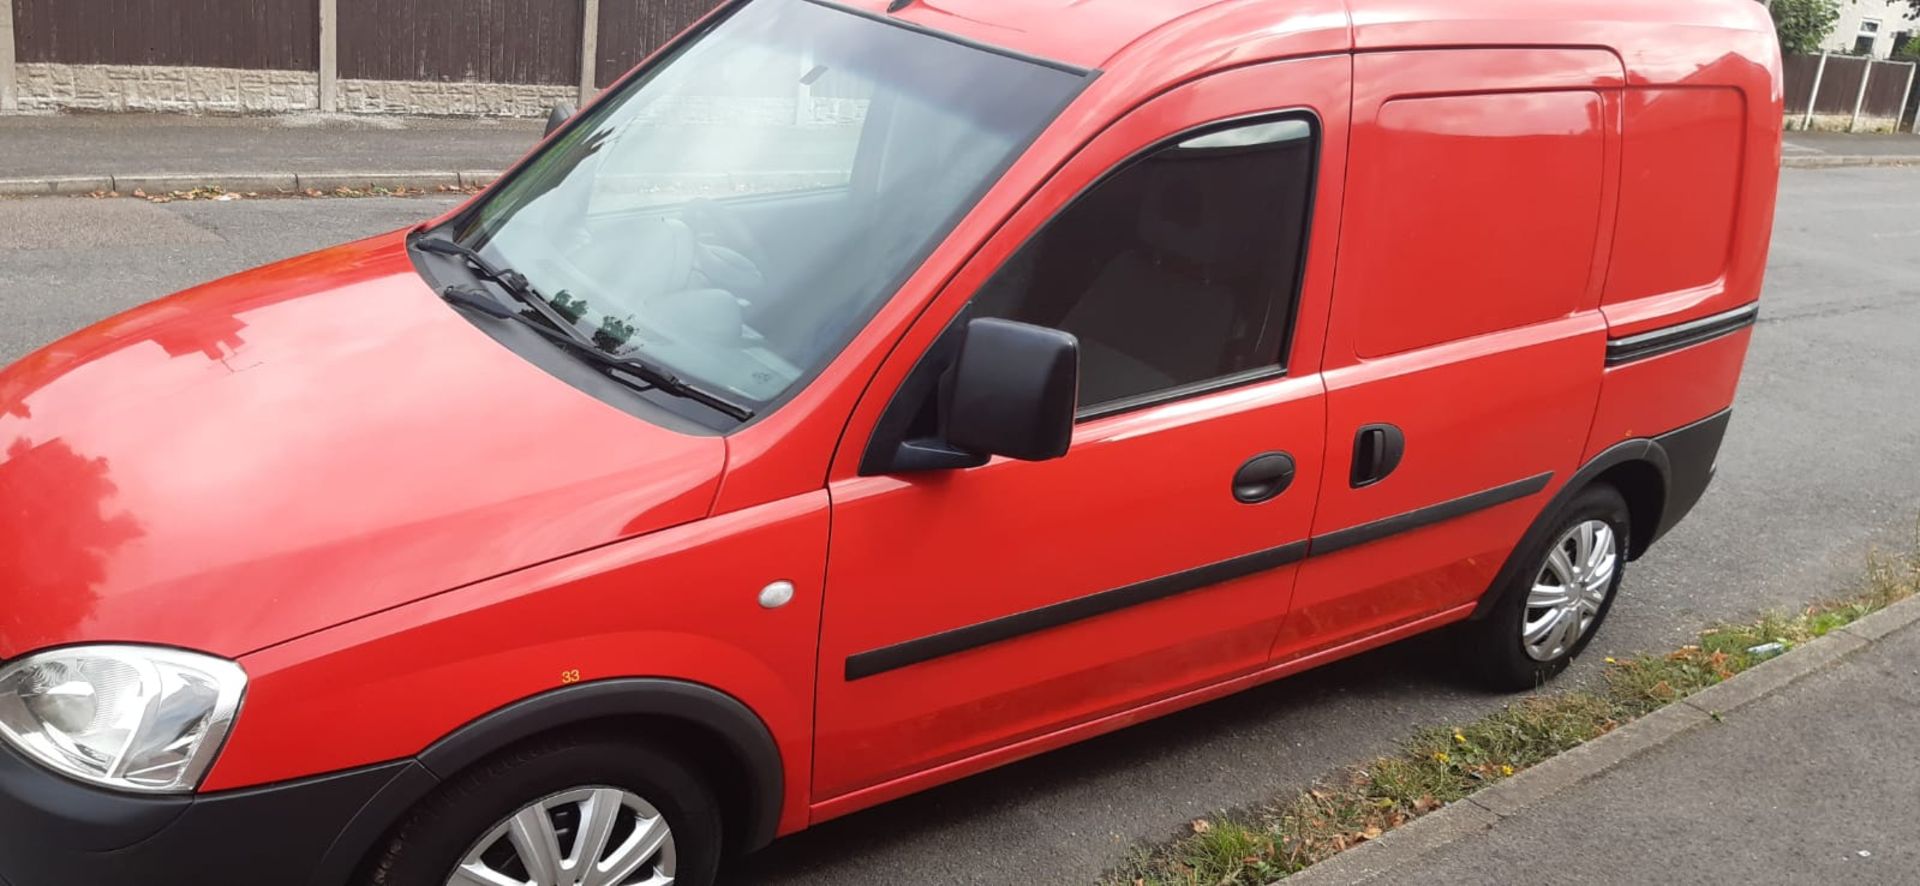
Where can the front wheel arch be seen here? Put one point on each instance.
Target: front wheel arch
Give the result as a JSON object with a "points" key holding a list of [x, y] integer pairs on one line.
{"points": [[694, 709]]}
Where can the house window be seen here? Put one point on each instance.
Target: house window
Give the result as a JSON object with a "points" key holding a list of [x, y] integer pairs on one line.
{"points": [[1869, 34]]}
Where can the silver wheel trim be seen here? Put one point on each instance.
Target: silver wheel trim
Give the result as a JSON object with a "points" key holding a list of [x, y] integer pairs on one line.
{"points": [[1569, 590], [643, 857]]}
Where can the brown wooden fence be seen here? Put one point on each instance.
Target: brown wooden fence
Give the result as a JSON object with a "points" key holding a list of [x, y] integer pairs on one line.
{"points": [[257, 34], [488, 41], [1890, 90], [1800, 73], [631, 29], [537, 44]]}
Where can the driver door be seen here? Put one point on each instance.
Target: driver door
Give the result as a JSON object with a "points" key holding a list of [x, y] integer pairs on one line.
{"points": [[976, 615]]}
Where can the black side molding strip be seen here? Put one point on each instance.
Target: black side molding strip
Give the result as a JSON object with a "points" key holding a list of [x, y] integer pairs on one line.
{"points": [[1352, 536], [1673, 338], [912, 652]]}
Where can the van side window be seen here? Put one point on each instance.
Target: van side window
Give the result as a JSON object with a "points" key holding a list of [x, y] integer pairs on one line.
{"points": [[1178, 269]]}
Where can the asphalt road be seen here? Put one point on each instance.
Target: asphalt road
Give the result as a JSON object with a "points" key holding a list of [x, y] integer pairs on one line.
{"points": [[1820, 466]]}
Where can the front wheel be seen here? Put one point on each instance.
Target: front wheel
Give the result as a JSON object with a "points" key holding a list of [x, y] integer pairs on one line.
{"points": [[598, 812], [1548, 613]]}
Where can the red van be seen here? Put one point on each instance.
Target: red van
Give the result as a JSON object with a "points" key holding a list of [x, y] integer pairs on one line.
{"points": [[862, 395]]}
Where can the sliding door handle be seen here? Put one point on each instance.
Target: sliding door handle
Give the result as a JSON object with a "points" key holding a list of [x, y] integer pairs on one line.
{"points": [[1376, 452]]}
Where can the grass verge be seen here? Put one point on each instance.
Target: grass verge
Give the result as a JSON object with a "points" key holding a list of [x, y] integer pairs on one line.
{"points": [[1440, 765]]}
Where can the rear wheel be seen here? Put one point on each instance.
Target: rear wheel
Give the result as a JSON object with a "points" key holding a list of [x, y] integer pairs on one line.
{"points": [[592, 812], [1549, 612]]}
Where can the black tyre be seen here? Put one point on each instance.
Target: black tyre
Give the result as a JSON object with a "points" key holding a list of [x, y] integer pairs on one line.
{"points": [[548, 811], [1547, 613]]}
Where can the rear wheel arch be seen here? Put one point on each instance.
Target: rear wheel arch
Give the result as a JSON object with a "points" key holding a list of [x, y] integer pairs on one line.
{"points": [[1644, 486], [1638, 468]]}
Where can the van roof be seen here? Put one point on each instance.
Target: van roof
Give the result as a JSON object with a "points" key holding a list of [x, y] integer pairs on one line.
{"points": [[1079, 32], [1093, 33]]}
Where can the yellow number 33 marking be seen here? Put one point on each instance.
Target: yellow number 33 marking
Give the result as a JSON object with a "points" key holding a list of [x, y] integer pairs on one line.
{"points": [[570, 676]]}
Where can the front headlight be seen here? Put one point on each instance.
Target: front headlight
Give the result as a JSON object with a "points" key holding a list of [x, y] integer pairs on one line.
{"points": [[132, 718]]}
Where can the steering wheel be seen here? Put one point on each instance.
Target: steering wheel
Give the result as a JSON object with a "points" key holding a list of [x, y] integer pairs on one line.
{"points": [[726, 252]]}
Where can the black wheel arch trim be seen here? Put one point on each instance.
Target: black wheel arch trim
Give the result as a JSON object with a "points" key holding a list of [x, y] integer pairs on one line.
{"points": [[736, 724], [1636, 450], [743, 732]]}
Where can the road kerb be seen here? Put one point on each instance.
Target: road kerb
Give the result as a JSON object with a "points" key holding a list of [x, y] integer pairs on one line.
{"points": [[240, 182], [1827, 161], [1884, 622], [64, 184], [328, 181], [1401, 846]]}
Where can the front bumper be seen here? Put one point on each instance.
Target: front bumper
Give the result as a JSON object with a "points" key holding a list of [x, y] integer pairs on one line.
{"points": [[57, 832]]}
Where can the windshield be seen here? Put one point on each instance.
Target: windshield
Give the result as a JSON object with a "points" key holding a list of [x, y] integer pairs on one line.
{"points": [[735, 214]]}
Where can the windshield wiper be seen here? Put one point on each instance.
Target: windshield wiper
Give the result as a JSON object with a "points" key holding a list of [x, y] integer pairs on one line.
{"points": [[562, 331], [514, 282]]}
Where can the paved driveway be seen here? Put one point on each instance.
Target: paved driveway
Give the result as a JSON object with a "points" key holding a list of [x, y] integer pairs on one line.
{"points": [[1821, 465]]}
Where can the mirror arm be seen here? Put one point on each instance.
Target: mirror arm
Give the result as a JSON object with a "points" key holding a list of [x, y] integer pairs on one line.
{"points": [[928, 454], [557, 116]]}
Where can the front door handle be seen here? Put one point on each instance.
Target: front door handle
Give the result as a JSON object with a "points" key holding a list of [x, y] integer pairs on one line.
{"points": [[1376, 452], [1263, 478]]}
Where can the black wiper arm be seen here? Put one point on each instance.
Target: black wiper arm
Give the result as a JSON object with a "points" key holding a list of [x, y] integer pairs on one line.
{"points": [[514, 282], [652, 375], [511, 280], [478, 299], [563, 332]]}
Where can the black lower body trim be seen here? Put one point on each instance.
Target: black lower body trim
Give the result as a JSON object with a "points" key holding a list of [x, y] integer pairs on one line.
{"points": [[912, 652], [1688, 334], [1427, 516], [1691, 453]]}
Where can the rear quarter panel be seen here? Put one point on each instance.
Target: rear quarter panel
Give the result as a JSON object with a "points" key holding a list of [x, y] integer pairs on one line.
{"points": [[1700, 173]]}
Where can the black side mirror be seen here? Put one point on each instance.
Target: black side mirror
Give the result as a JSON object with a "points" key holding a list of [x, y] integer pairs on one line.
{"points": [[1014, 389], [557, 116]]}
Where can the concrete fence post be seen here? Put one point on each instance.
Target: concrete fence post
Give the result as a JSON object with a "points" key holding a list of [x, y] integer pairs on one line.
{"points": [[589, 50], [329, 56], [1905, 95], [1813, 100], [1860, 101], [9, 97]]}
